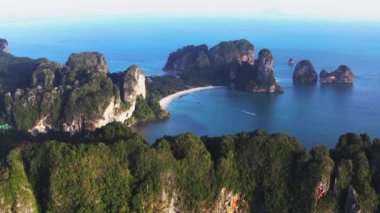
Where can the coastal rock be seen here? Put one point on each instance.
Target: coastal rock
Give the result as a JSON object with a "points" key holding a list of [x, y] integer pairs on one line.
{"points": [[304, 72], [188, 58], [89, 61], [343, 74], [226, 52], [3, 45]]}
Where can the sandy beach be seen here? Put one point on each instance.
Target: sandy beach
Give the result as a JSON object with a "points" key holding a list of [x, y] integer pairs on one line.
{"points": [[164, 103]]}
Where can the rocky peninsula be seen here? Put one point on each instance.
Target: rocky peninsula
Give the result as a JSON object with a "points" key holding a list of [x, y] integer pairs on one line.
{"points": [[41, 95], [229, 63]]}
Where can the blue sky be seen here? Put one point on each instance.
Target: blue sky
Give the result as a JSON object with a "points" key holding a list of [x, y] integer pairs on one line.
{"points": [[320, 9]]}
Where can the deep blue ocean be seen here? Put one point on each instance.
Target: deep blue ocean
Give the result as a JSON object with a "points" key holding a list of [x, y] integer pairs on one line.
{"points": [[314, 114]]}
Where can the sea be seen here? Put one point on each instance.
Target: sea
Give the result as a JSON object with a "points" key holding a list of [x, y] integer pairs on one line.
{"points": [[314, 114]]}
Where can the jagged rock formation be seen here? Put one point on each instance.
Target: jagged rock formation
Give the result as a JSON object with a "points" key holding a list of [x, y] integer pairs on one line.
{"points": [[230, 63], [343, 74], [188, 58], [77, 96], [304, 72], [3, 45]]}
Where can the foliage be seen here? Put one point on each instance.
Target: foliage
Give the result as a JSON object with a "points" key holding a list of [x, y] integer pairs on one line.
{"points": [[114, 169]]}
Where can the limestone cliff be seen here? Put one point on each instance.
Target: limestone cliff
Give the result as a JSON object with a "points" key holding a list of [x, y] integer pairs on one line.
{"points": [[77, 96]]}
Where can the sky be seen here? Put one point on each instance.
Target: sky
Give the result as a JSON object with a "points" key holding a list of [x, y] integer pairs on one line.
{"points": [[313, 9]]}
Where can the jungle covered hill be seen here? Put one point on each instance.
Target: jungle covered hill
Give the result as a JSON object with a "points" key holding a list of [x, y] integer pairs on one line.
{"points": [[113, 169]]}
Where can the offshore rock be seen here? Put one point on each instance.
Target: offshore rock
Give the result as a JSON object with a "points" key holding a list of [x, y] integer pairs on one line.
{"points": [[343, 74], [304, 72], [188, 58]]}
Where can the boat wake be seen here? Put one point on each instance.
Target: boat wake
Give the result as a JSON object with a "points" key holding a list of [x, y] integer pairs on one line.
{"points": [[246, 112]]}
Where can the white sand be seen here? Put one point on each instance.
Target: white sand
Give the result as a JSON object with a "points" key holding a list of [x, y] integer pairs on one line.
{"points": [[164, 103]]}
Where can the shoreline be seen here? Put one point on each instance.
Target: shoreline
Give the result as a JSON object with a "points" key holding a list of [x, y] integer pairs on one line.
{"points": [[165, 102]]}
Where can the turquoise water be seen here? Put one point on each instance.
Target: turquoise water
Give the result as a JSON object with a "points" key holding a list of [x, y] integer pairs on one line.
{"points": [[314, 114]]}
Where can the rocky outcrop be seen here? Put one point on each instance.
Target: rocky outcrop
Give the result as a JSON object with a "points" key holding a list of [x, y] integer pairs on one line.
{"points": [[89, 61], [343, 74], [228, 202], [188, 58], [75, 97], [304, 72], [3, 45], [133, 85], [226, 52]]}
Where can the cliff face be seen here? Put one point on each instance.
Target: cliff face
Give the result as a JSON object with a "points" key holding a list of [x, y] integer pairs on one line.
{"points": [[70, 98], [3, 45]]}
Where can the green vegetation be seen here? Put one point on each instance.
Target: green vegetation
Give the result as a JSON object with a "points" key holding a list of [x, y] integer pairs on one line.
{"points": [[113, 169]]}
